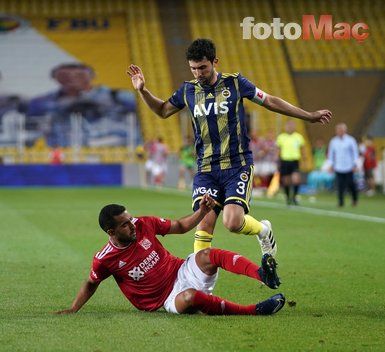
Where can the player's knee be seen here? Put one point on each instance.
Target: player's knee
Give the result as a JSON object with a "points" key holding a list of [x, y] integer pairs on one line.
{"points": [[188, 297], [202, 257], [232, 224]]}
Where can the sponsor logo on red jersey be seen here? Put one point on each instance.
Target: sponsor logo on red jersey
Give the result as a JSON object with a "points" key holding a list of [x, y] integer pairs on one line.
{"points": [[145, 243]]}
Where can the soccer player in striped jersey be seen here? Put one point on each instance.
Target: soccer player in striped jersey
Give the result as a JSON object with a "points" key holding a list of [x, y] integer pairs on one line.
{"points": [[225, 164]]}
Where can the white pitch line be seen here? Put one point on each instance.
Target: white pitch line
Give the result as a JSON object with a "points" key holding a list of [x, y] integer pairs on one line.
{"points": [[300, 209], [333, 213]]}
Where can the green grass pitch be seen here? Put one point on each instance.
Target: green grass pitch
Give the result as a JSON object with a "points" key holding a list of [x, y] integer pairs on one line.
{"points": [[331, 263]]}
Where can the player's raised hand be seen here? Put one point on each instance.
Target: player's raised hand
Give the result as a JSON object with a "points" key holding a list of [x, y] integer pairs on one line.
{"points": [[137, 76], [321, 116]]}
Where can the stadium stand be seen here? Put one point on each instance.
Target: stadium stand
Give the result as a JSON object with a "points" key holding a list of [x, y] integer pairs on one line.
{"points": [[336, 54], [144, 22], [141, 20], [277, 66], [263, 62], [337, 66]]}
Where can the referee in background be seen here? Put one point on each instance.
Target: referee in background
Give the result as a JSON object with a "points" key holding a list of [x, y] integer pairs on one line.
{"points": [[291, 151]]}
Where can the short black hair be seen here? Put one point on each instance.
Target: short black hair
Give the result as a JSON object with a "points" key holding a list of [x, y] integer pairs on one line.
{"points": [[201, 48], [106, 216]]}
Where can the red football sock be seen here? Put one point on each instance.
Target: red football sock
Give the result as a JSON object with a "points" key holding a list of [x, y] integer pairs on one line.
{"points": [[234, 263], [213, 305]]}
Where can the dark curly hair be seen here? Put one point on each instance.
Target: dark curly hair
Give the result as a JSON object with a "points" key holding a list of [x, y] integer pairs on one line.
{"points": [[201, 48]]}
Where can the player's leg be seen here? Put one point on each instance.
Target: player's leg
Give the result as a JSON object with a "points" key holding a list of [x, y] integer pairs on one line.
{"points": [[351, 184], [196, 280], [370, 185], [340, 181], [191, 300], [285, 180], [156, 174], [205, 232], [285, 173], [209, 260], [238, 185], [206, 183], [235, 219], [296, 182]]}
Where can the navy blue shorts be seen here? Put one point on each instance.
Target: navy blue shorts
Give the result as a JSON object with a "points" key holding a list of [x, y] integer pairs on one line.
{"points": [[231, 186]]}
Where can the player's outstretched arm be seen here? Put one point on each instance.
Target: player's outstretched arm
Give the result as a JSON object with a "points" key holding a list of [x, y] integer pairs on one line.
{"points": [[187, 223], [160, 107], [84, 294], [281, 106]]}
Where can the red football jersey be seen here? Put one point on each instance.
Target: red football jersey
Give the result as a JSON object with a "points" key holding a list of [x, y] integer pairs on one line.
{"points": [[145, 271]]}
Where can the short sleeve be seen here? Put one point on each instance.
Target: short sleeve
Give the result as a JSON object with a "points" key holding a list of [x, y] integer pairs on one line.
{"points": [[301, 139], [177, 99], [161, 226], [98, 272], [250, 91]]}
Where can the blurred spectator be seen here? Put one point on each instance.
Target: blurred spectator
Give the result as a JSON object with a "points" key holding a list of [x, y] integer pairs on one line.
{"points": [[103, 110], [159, 166], [343, 158], [149, 148], [187, 161], [56, 156], [10, 107], [256, 148], [265, 155], [369, 164], [269, 159], [319, 153], [140, 153], [320, 178], [290, 144]]}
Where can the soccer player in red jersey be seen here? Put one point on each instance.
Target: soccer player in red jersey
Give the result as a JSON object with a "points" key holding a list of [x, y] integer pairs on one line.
{"points": [[150, 277]]}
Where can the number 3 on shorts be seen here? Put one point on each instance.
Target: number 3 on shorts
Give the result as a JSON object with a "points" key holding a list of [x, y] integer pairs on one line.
{"points": [[241, 187]]}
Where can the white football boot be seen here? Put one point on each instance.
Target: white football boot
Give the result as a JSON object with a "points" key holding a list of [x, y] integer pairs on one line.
{"points": [[267, 242]]}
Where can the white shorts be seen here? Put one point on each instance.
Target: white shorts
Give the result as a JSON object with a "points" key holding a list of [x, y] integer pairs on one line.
{"points": [[148, 165], [158, 169], [189, 276]]}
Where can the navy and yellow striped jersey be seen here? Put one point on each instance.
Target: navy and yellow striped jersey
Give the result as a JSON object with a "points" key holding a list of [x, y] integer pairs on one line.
{"points": [[219, 120]]}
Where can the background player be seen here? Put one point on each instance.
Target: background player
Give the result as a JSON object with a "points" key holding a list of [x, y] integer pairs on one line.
{"points": [[291, 151]]}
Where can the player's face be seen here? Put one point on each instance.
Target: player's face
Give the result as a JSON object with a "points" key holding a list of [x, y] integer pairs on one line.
{"points": [[204, 71], [125, 230]]}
